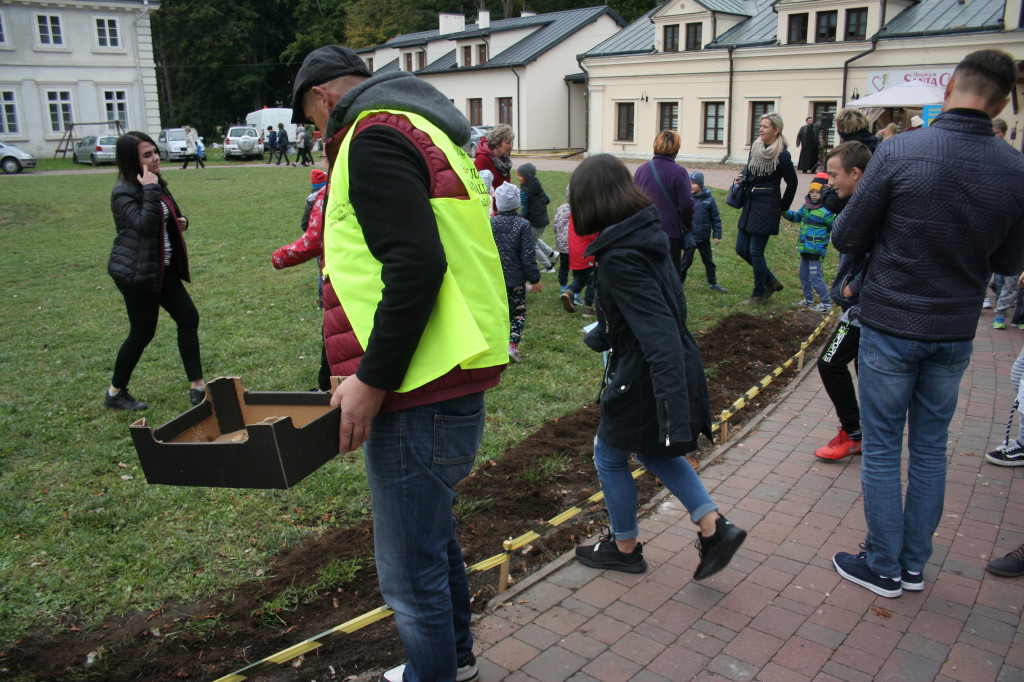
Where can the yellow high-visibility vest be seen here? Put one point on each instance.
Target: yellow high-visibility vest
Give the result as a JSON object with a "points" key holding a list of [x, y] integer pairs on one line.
{"points": [[469, 325]]}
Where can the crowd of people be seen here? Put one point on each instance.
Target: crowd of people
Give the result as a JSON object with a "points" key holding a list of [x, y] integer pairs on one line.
{"points": [[425, 304]]}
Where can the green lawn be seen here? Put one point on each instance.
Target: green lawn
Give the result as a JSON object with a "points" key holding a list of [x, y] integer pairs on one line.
{"points": [[80, 530]]}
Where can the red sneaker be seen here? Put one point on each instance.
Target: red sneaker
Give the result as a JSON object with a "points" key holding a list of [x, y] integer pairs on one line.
{"points": [[839, 447]]}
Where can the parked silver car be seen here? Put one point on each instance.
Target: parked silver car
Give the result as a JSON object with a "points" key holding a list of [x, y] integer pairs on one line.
{"points": [[96, 150], [171, 143], [12, 159], [474, 139], [243, 142]]}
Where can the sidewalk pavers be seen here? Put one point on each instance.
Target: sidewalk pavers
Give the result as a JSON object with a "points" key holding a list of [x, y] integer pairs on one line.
{"points": [[780, 611]]}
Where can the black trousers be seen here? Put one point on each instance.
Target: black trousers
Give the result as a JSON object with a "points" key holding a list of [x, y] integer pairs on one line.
{"points": [[193, 157], [143, 313], [704, 248], [834, 370]]}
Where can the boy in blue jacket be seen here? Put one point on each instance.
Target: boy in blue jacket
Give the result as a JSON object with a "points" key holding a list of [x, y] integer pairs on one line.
{"points": [[815, 227], [706, 223]]}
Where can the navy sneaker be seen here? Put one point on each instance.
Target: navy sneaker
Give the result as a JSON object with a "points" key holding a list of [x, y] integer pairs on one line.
{"points": [[912, 582], [605, 554], [1007, 455], [854, 567], [717, 550]]}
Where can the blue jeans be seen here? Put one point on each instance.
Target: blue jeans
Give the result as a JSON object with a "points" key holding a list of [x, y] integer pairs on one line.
{"points": [[414, 458], [812, 279], [905, 382], [620, 489], [750, 247]]}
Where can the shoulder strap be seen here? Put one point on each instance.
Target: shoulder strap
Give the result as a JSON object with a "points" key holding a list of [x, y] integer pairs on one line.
{"points": [[661, 186]]}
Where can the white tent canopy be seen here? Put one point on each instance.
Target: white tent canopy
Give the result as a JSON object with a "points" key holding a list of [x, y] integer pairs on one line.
{"points": [[911, 95]]}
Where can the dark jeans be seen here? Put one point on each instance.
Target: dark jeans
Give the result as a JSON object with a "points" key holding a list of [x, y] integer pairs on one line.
{"points": [[675, 252], [193, 157], [304, 156], [283, 153], [704, 248], [563, 268], [834, 370], [580, 279], [143, 312], [750, 247]]}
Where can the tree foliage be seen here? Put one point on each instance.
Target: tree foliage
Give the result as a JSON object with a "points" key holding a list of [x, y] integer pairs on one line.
{"points": [[219, 59]]}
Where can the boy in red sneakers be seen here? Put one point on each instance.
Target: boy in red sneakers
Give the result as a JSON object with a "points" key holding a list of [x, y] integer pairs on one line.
{"points": [[845, 163]]}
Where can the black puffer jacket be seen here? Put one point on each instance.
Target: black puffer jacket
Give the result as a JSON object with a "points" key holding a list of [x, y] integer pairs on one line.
{"points": [[137, 257], [939, 209], [762, 206], [655, 397]]}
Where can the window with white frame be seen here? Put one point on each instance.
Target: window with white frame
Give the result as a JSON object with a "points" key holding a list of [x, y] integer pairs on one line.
{"points": [[116, 103], [714, 123], [106, 32], [50, 34], [61, 115], [8, 113], [3, 29]]}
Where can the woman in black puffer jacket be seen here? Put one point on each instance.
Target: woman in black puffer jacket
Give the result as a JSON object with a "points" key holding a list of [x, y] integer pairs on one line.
{"points": [[148, 263], [769, 164]]}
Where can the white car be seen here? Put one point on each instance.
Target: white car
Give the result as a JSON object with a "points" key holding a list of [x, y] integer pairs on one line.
{"points": [[12, 159], [171, 143], [96, 150], [243, 142]]}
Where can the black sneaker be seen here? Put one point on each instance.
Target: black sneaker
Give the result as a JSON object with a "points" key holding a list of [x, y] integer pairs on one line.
{"points": [[1011, 565], [1007, 455], [123, 401], [606, 555], [854, 567], [912, 582], [196, 395], [717, 550]]}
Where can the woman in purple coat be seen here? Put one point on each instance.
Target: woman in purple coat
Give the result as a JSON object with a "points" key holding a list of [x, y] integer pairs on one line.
{"points": [[673, 194]]}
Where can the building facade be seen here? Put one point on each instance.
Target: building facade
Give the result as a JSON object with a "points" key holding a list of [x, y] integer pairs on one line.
{"points": [[82, 63], [711, 68], [520, 71]]}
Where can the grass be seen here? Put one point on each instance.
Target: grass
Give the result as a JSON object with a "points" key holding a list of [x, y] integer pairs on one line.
{"points": [[547, 469], [81, 533]]}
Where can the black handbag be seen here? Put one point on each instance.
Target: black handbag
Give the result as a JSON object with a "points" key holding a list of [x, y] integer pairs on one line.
{"points": [[737, 194]]}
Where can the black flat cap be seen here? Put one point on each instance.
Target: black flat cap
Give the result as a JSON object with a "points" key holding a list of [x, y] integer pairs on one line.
{"points": [[320, 66]]}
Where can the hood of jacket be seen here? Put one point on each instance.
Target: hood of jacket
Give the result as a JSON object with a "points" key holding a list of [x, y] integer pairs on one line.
{"points": [[703, 194], [641, 231], [405, 92]]}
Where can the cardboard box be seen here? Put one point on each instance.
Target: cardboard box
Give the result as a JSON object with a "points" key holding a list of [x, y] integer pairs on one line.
{"points": [[241, 439]]}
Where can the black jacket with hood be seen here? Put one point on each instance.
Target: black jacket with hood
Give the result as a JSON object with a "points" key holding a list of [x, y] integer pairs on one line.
{"points": [[655, 398]]}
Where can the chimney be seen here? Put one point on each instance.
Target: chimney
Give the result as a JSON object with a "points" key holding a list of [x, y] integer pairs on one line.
{"points": [[449, 22], [483, 19], [527, 13]]}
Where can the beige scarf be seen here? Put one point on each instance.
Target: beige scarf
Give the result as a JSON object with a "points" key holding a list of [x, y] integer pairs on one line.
{"points": [[764, 160]]}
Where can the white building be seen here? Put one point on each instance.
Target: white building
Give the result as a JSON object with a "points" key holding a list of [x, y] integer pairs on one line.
{"points": [[711, 68], [64, 63], [521, 71]]}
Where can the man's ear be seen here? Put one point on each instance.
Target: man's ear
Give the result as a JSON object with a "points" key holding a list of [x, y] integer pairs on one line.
{"points": [[857, 173], [995, 109]]}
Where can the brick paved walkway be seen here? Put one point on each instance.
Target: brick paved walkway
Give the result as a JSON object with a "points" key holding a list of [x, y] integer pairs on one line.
{"points": [[780, 611]]}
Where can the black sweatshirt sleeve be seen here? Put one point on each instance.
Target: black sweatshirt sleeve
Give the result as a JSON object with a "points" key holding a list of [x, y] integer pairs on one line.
{"points": [[390, 193]]}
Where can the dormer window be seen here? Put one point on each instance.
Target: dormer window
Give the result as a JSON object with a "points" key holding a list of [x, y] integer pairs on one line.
{"points": [[467, 55], [421, 60], [797, 29], [670, 43], [369, 64], [693, 36], [408, 61], [481, 53], [857, 23], [826, 27]]}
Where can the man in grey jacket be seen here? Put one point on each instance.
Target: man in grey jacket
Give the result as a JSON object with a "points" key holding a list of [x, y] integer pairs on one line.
{"points": [[939, 209]]}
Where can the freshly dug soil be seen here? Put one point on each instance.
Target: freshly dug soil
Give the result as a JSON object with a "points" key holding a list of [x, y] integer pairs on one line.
{"points": [[537, 479]]}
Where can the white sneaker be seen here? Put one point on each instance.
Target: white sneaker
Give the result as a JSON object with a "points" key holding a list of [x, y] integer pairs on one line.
{"points": [[986, 304], [393, 675], [465, 673]]}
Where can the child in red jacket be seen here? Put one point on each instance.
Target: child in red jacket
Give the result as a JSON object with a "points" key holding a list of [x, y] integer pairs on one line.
{"points": [[582, 274]]}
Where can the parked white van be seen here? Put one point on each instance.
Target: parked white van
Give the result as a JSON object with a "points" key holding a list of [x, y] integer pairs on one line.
{"points": [[268, 116]]}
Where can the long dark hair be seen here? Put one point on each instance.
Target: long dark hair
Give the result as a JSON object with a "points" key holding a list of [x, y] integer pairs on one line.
{"points": [[128, 167], [602, 193]]}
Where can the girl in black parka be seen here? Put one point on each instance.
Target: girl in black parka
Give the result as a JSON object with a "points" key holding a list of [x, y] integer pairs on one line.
{"points": [[654, 400], [148, 263]]}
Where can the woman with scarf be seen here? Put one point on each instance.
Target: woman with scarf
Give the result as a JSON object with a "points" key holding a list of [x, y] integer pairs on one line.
{"points": [[769, 164], [148, 263], [492, 154]]}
